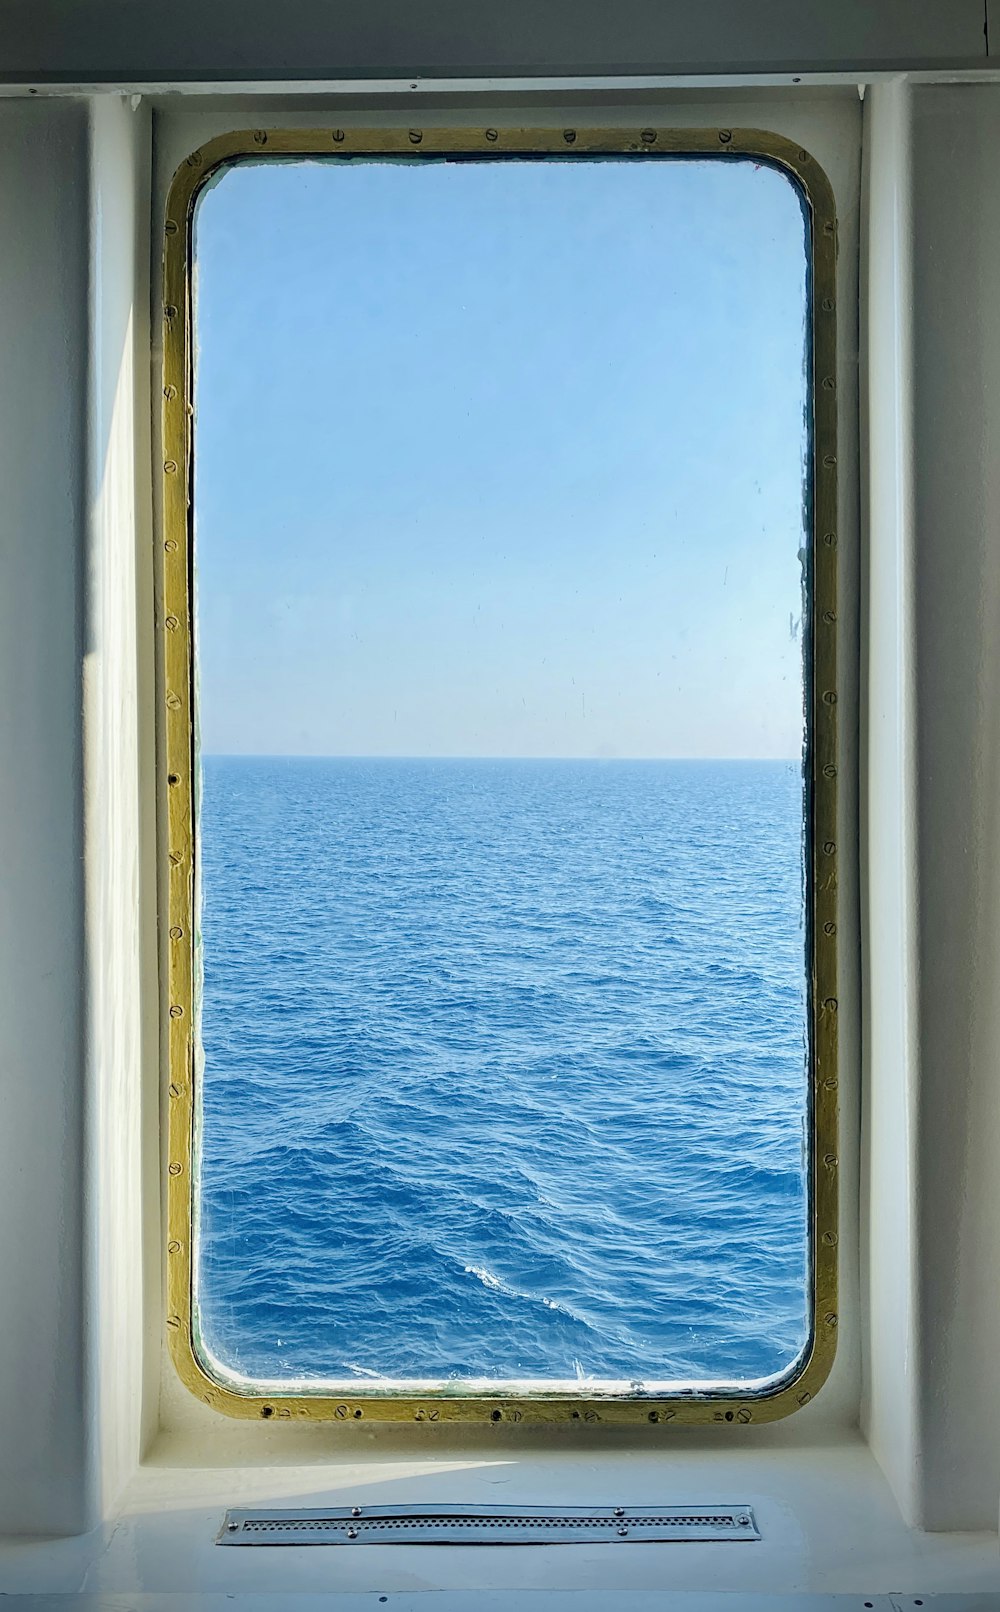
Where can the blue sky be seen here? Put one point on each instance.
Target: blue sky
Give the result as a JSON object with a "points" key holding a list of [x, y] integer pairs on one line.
{"points": [[500, 459]]}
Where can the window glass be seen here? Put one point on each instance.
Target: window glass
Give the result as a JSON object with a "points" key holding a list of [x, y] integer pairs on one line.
{"points": [[501, 504]]}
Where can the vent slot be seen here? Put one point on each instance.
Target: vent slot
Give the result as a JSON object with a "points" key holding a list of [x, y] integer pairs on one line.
{"points": [[487, 1525]]}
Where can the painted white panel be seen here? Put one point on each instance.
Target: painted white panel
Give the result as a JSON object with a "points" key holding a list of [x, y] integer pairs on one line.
{"points": [[43, 340], [956, 457]]}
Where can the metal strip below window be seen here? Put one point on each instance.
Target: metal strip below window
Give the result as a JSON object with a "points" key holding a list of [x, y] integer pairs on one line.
{"points": [[487, 1525]]}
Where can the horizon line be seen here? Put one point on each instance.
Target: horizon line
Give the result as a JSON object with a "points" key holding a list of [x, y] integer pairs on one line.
{"points": [[316, 755]]}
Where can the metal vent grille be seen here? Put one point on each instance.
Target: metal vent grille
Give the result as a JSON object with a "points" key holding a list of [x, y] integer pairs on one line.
{"points": [[487, 1525]]}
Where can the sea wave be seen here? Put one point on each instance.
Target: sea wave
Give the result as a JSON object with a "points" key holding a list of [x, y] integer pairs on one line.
{"points": [[488, 1094]]}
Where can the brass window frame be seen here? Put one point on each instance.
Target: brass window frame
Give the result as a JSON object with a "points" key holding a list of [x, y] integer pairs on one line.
{"points": [[177, 761]]}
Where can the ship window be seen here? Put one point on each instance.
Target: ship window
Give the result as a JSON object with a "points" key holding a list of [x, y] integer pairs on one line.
{"points": [[500, 775]]}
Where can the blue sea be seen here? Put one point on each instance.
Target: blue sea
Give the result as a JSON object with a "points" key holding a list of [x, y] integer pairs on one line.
{"points": [[504, 1070]]}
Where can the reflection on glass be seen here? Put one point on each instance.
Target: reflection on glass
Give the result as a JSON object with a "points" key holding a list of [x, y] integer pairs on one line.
{"points": [[499, 519]]}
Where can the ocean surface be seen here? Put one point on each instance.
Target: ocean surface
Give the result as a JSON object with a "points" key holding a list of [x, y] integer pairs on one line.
{"points": [[504, 1070]]}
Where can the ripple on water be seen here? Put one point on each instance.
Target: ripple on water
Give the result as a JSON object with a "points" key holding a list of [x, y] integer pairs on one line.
{"points": [[494, 1093]]}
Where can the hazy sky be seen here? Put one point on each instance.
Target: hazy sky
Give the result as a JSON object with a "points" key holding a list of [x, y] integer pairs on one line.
{"points": [[500, 459]]}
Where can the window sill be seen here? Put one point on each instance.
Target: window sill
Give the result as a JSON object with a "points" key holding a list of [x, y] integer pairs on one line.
{"points": [[828, 1523]]}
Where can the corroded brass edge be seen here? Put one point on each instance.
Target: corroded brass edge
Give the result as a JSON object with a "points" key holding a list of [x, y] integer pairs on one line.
{"points": [[176, 773]]}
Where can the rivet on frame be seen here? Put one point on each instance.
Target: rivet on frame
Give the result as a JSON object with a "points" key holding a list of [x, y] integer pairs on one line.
{"points": [[828, 305], [829, 384], [804, 1398], [170, 546], [491, 135], [648, 137], [830, 460], [830, 697], [829, 227], [175, 1090], [829, 929], [173, 1247], [338, 135], [803, 156], [829, 771], [830, 1318], [830, 1160], [829, 848], [569, 135], [173, 701], [173, 1321], [170, 392], [170, 227], [829, 616], [830, 1083], [174, 1169], [830, 1004], [170, 466], [830, 1238], [171, 623], [169, 311], [260, 137], [725, 136], [176, 1011], [176, 932], [830, 539], [175, 858], [194, 160], [416, 135]]}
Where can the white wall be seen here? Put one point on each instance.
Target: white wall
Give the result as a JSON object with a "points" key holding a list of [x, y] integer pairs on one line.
{"points": [[73, 305], [933, 798], [956, 532], [43, 340]]}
